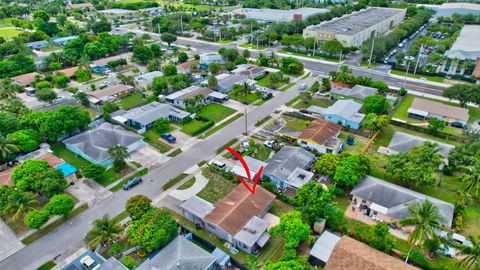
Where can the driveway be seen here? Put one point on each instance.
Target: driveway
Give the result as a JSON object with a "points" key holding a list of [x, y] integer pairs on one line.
{"points": [[8, 241], [147, 156], [183, 195], [88, 191]]}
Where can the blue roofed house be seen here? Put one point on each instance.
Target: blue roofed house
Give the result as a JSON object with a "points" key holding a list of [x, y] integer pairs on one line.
{"points": [[93, 144], [343, 112], [61, 41], [38, 45]]}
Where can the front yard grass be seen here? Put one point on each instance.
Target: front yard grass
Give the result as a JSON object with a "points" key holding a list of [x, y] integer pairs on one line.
{"points": [[265, 83], [175, 152], [286, 87], [174, 181], [192, 127], [131, 101], [215, 112], [320, 102], [61, 151], [245, 99], [295, 123], [222, 125], [110, 176], [262, 152], [153, 138], [417, 76], [217, 188]]}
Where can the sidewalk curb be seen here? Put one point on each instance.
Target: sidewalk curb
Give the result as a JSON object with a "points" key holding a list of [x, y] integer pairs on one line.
{"points": [[419, 80]]}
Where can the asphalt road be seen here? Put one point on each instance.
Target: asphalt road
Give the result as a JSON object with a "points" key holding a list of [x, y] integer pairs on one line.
{"points": [[69, 237]]}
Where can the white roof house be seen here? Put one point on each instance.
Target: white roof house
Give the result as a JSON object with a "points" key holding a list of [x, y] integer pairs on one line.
{"points": [[324, 246]]}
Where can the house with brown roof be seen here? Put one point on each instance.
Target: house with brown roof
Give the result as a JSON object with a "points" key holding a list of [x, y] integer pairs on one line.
{"points": [[69, 72], [238, 218], [111, 93], [425, 109], [350, 254], [25, 80], [185, 67], [321, 135]]}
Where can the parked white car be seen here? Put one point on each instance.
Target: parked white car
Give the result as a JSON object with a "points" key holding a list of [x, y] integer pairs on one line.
{"points": [[89, 264]]}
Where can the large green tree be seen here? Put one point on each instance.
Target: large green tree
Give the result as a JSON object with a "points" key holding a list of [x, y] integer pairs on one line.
{"points": [[36, 175], [61, 204], [350, 169], [20, 202], [376, 104], [119, 153], [311, 199], [327, 164], [138, 205], [472, 177], [8, 146], [293, 229]]}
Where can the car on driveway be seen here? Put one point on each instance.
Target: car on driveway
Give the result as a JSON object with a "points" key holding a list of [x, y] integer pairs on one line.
{"points": [[169, 137], [132, 182], [89, 264], [105, 83]]}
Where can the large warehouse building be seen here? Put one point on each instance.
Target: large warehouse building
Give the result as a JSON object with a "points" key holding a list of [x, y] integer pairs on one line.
{"points": [[463, 53], [355, 28], [274, 15]]}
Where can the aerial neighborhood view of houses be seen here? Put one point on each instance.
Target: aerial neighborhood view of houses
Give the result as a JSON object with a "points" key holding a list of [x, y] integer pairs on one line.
{"points": [[239, 134]]}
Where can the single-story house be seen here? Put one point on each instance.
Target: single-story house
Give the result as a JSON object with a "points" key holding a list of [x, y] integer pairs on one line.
{"points": [[288, 167], [61, 41], [101, 65], [179, 98], [185, 67], [321, 135], [250, 71], [254, 166], [146, 79], [69, 72], [323, 248], [25, 80], [388, 202], [207, 59], [94, 143], [143, 117], [112, 264], [342, 112], [226, 82], [425, 109], [350, 254], [110, 93], [238, 218], [82, 6], [403, 142], [359, 92], [180, 254], [38, 45]]}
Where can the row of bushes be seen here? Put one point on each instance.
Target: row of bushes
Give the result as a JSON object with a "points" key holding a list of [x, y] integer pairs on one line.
{"points": [[202, 128], [440, 74]]}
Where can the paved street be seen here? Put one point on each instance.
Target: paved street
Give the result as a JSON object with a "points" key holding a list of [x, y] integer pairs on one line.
{"points": [[68, 238]]}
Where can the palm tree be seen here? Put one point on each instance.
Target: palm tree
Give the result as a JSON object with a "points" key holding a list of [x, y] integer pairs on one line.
{"points": [[104, 231], [20, 202], [119, 153], [7, 89], [471, 253], [425, 218], [14, 105], [472, 176], [7, 147]]}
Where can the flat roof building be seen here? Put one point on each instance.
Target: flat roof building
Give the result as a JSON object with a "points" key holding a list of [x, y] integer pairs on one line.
{"points": [[275, 15], [467, 45], [448, 9], [354, 29]]}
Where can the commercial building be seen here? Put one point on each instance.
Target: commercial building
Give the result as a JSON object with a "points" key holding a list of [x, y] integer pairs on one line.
{"points": [[355, 28], [238, 218], [448, 9], [274, 15], [463, 53], [425, 109]]}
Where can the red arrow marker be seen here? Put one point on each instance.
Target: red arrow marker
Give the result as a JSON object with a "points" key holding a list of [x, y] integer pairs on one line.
{"points": [[247, 170]]}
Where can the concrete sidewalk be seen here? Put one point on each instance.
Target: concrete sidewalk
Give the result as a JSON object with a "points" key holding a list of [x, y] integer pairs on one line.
{"points": [[9, 244]]}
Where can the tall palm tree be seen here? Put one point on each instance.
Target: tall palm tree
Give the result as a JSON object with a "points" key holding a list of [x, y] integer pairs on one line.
{"points": [[472, 176], [7, 89], [14, 105], [119, 153], [425, 218], [7, 147], [20, 202], [471, 253], [104, 231]]}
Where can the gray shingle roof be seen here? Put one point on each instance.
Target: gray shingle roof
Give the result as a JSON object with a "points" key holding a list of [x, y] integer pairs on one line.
{"points": [[96, 142], [197, 206], [397, 199], [403, 142], [112, 264], [150, 112], [358, 91], [180, 254], [283, 163]]}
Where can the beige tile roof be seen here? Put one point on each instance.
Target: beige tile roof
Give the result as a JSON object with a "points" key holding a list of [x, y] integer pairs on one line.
{"points": [[440, 109], [111, 90], [25, 79]]}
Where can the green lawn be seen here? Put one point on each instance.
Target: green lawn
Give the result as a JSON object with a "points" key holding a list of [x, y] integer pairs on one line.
{"points": [[253, 46], [217, 188], [264, 82], [110, 176], [357, 147], [215, 112], [222, 125], [286, 87], [296, 123], [192, 127], [47, 266], [174, 181], [61, 151], [131, 101], [175, 152], [153, 138], [324, 103], [280, 207], [8, 31], [416, 76], [245, 99], [187, 184], [331, 59], [262, 152]]}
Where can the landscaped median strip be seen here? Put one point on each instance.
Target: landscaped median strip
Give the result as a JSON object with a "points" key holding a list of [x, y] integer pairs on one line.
{"points": [[222, 125], [174, 181], [229, 143], [175, 153], [53, 225], [263, 120], [286, 87]]}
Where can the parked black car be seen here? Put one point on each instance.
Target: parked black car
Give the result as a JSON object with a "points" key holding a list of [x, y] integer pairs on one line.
{"points": [[132, 182]]}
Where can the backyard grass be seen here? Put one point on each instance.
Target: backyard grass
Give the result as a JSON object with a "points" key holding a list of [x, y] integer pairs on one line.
{"points": [[217, 188], [175, 152], [295, 123], [110, 176], [192, 127], [416, 76], [131, 101], [187, 184], [357, 147], [262, 152], [215, 112], [174, 181], [222, 125], [153, 138], [245, 99], [61, 151], [8, 31], [264, 82], [140, 173], [273, 251], [280, 207]]}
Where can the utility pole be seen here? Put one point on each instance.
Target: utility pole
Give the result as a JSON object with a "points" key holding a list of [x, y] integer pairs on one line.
{"points": [[246, 131], [251, 32], [418, 60], [181, 22], [406, 73], [314, 43], [371, 52]]}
